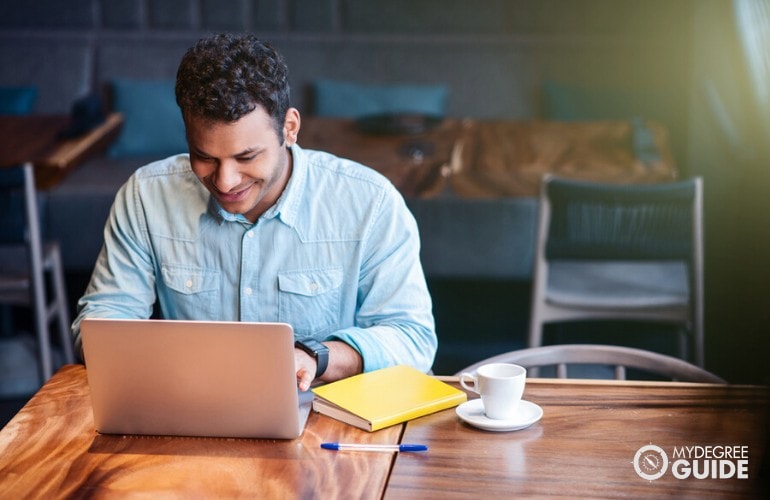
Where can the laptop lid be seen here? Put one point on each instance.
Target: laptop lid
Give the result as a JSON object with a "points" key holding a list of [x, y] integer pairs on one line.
{"points": [[193, 378]]}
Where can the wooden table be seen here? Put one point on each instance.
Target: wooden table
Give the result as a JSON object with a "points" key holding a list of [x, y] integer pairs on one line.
{"points": [[583, 446], [509, 158], [417, 164], [50, 450], [36, 139], [496, 158], [585, 443]]}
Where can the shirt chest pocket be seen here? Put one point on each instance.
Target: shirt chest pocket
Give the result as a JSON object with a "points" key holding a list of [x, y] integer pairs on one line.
{"points": [[310, 300], [195, 291]]}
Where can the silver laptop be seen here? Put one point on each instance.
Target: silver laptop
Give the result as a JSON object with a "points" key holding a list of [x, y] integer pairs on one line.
{"points": [[193, 378]]}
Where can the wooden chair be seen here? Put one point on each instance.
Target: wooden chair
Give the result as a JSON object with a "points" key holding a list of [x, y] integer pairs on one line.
{"points": [[622, 252], [619, 357], [26, 263]]}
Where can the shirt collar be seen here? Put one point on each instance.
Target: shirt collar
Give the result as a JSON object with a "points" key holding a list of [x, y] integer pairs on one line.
{"points": [[287, 206], [221, 215]]}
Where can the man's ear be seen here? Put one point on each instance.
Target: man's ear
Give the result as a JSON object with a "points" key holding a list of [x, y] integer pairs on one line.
{"points": [[291, 127]]}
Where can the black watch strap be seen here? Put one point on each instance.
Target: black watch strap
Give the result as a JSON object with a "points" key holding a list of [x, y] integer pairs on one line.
{"points": [[316, 350]]}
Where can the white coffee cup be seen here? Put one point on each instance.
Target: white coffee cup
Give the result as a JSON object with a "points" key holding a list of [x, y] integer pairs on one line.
{"points": [[500, 386]]}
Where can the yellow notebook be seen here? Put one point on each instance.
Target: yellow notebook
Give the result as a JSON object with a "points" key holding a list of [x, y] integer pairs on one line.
{"points": [[385, 397]]}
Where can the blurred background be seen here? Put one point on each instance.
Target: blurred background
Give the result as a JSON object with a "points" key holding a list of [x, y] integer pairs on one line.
{"points": [[699, 67]]}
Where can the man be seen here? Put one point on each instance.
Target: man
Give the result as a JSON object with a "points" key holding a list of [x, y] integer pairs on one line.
{"points": [[251, 227]]}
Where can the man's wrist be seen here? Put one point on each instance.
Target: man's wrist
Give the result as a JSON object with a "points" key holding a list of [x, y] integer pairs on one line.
{"points": [[317, 351]]}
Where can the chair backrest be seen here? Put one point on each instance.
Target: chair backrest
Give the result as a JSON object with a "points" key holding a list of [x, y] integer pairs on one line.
{"points": [[602, 221], [619, 357]]}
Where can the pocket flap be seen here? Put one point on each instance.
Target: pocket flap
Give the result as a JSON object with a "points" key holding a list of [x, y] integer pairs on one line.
{"points": [[310, 283], [188, 280]]}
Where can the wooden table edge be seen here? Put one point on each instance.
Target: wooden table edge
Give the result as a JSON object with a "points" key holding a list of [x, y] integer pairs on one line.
{"points": [[71, 152], [612, 382]]}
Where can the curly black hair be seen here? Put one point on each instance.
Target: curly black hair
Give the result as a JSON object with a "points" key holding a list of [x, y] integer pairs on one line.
{"points": [[226, 76]]}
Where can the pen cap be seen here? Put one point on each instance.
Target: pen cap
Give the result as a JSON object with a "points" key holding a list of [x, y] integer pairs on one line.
{"points": [[413, 447]]}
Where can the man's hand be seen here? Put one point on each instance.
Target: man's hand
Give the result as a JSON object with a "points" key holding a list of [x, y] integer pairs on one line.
{"points": [[306, 367], [344, 361]]}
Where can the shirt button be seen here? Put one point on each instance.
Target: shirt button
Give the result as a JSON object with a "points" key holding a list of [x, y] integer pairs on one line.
{"points": [[247, 290], [188, 283], [314, 286], [250, 234]]}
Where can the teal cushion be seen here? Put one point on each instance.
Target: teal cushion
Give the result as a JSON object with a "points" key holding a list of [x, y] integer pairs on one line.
{"points": [[152, 121], [353, 100], [17, 100]]}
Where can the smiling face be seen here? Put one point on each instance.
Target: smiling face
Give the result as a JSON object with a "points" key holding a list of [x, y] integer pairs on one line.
{"points": [[243, 164]]}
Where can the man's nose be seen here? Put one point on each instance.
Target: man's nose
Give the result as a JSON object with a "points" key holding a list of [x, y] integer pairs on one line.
{"points": [[227, 177]]}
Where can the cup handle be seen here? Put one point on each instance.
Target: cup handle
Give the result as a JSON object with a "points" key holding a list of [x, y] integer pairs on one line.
{"points": [[471, 386]]}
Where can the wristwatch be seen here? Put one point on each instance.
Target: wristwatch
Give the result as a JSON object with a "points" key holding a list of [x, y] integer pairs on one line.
{"points": [[317, 351]]}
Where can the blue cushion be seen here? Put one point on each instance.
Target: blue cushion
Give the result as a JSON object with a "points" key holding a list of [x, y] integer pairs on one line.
{"points": [[17, 100], [152, 123], [353, 100]]}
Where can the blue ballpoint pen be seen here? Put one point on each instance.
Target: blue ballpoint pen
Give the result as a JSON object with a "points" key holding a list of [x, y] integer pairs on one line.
{"points": [[373, 447]]}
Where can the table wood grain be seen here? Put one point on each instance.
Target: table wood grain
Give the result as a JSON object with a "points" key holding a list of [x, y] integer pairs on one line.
{"points": [[496, 158], [29, 138], [510, 157], [585, 444], [417, 164], [51, 450], [37, 139], [69, 153]]}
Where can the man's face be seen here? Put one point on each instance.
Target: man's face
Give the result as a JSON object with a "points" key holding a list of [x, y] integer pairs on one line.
{"points": [[243, 164]]}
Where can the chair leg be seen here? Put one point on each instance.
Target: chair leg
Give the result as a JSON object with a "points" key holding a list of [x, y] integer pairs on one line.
{"points": [[41, 317], [43, 335], [535, 333], [65, 337], [535, 339], [35, 248]]}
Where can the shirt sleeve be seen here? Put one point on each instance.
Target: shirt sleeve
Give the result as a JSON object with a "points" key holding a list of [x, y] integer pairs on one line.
{"points": [[123, 281], [394, 320]]}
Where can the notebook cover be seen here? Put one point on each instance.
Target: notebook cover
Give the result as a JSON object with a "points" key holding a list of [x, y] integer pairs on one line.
{"points": [[385, 397]]}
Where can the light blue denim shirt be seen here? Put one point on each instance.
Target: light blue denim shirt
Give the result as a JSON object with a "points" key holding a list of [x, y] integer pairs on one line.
{"points": [[337, 257]]}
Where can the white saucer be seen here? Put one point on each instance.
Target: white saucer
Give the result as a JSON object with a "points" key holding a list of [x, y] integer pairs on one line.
{"points": [[472, 412]]}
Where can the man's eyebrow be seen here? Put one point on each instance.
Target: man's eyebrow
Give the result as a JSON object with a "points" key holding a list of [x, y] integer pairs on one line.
{"points": [[249, 151], [198, 151]]}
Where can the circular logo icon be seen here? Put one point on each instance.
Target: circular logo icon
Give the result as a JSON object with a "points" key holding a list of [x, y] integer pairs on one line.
{"points": [[650, 462]]}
